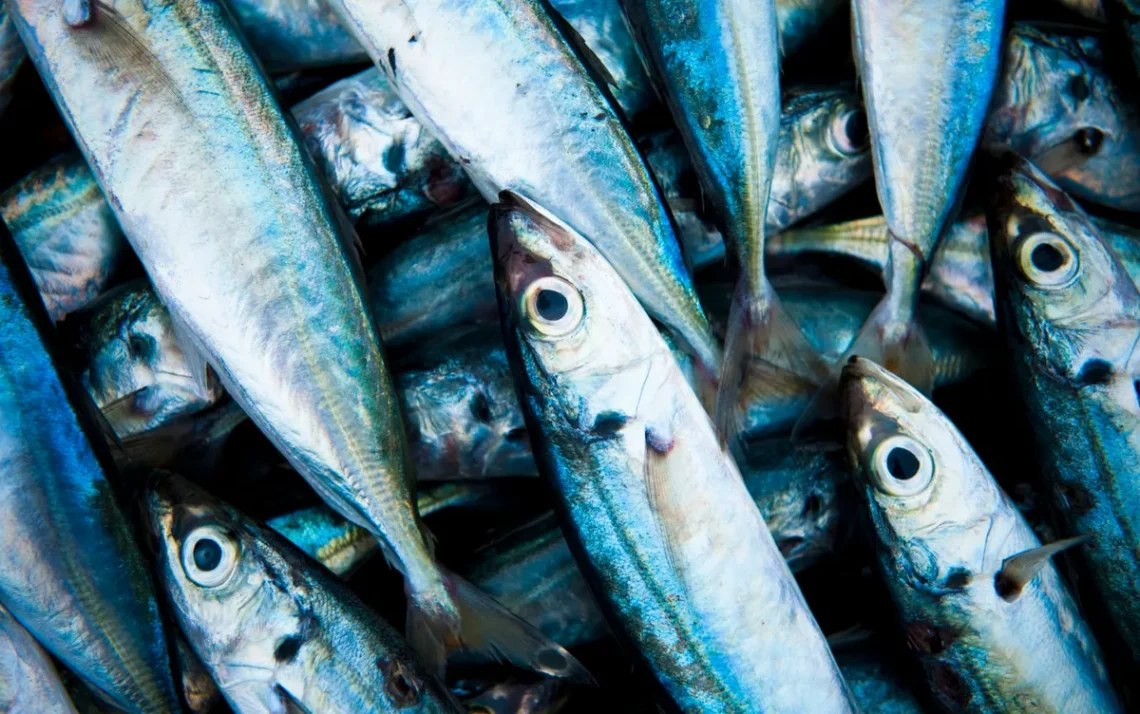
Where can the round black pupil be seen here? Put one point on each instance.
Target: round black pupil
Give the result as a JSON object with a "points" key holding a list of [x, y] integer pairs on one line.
{"points": [[857, 134], [207, 555], [551, 305], [1089, 140], [1047, 258], [902, 464]]}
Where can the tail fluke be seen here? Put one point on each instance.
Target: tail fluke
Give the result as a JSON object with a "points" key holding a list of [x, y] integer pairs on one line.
{"points": [[760, 331], [486, 627]]}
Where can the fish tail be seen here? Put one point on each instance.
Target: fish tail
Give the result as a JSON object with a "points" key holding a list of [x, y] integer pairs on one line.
{"points": [[466, 617], [760, 332]]}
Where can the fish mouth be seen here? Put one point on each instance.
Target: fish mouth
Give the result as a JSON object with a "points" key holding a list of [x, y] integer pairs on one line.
{"points": [[519, 244], [866, 383]]}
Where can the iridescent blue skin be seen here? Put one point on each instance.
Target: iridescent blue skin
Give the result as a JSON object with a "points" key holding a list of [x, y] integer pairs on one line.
{"points": [[290, 35], [1057, 104], [69, 569], [11, 57], [1072, 333], [877, 686], [66, 232]]}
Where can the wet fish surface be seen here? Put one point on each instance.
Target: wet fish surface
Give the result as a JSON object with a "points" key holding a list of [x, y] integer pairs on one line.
{"points": [[29, 683], [288, 35]]}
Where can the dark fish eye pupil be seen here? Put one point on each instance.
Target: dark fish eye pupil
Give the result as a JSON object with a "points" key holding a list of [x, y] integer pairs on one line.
{"points": [[207, 555], [1047, 258], [902, 464], [856, 129], [551, 305], [1089, 140]]}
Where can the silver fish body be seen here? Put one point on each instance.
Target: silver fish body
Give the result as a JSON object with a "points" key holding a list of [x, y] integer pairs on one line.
{"points": [[928, 69], [602, 28], [521, 112], [29, 683], [269, 624], [289, 35], [70, 571], [12, 55], [944, 532], [262, 279], [1057, 104], [66, 232], [133, 366], [657, 512], [1072, 320], [383, 164]]}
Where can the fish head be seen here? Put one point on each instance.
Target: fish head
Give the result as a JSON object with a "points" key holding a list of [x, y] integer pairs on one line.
{"points": [[1056, 103], [824, 151], [931, 499], [133, 366], [1071, 307], [544, 697], [589, 350], [464, 418], [230, 593]]}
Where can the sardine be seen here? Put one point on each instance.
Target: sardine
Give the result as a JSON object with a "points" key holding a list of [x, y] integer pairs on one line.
{"points": [[12, 55], [521, 112], [1072, 321], [69, 569], [66, 232], [718, 65], [269, 624], [261, 280], [288, 35], [133, 366], [29, 683], [980, 602], [383, 164], [928, 70], [600, 28], [1057, 105], [546, 697], [657, 510]]}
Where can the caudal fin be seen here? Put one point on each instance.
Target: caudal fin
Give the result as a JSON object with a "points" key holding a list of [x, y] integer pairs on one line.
{"points": [[898, 345], [760, 331], [486, 627]]}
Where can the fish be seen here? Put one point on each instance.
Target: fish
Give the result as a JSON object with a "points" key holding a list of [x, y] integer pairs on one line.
{"points": [[268, 623], [545, 697], [822, 153], [1071, 316], [1092, 9], [342, 546], [877, 685], [599, 30], [290, 35], [192, 443], [651, 503], [717, 64], [28, 679], [462, 414], [830, 318], [980, 604], [799, 20], [70, 571], [1057, 104], [522, 112], [263, 284], [928, 70], [133, 365], [65, 231], [385, 167], [12, 56]]}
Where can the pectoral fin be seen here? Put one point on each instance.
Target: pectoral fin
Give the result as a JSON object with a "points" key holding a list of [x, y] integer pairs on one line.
{"points": [[1017, 570]]}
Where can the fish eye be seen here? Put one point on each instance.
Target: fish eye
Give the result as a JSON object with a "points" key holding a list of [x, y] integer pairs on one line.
{"points": [[1089, 140], [553, 306], [209, 556], [901, 466], [1047, 260], [848, 133]]}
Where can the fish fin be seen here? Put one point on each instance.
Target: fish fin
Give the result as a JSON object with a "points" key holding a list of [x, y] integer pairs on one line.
{"points": [[656, 489], [195, 356], [111, 41], [852, 636], [760, 331], [1018, 570], [488, 627]]}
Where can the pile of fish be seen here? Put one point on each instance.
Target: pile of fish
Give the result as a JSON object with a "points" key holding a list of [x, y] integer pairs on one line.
{"points": [[553, 356]]}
